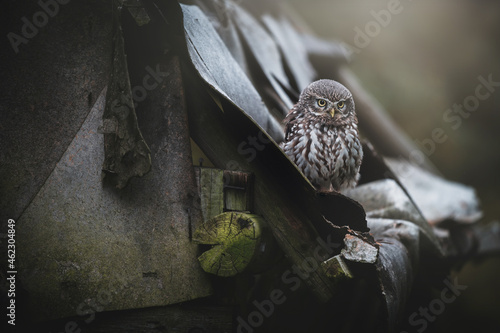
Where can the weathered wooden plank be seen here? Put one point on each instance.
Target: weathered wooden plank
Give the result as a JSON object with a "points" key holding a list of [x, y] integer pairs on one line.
{"points": [[238, 191], [224, 190], [211, 191]]}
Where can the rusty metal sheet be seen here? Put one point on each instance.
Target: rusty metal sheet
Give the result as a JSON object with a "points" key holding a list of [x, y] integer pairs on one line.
{"points": [[437, 198], [386, 199], [217, 67], [49, 84], [81, 240], [266, 53], [397, 263], [294, 52]]}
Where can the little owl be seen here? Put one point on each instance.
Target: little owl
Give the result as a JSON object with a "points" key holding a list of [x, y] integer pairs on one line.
{"points": [[321, 136]]}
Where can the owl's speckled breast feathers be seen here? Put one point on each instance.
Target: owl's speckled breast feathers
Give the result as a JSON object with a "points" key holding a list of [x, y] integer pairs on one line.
{"points": [[322, 136]]}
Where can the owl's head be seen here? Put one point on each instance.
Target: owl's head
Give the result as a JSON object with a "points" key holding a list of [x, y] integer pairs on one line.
{"points": [[329, 102]]}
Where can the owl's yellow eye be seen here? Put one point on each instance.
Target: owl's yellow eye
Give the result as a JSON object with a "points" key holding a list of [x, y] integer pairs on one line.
{"points": [[341, 104], [321, 102]]}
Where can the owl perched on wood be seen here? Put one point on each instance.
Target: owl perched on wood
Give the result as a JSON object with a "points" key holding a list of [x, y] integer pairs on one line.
{"points": [[321, 136]]}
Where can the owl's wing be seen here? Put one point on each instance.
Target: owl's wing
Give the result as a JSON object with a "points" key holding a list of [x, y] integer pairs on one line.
{"points": [[289, 121]]}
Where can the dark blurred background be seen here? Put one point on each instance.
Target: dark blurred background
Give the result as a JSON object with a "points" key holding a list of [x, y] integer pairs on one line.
{"points": [[418, 62]]}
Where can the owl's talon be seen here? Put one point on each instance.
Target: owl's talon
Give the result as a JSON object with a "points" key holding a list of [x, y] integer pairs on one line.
{"points": [[325, 192]]}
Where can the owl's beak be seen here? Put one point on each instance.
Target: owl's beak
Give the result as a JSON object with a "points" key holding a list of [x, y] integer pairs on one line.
{"points": [[331, 112]]}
